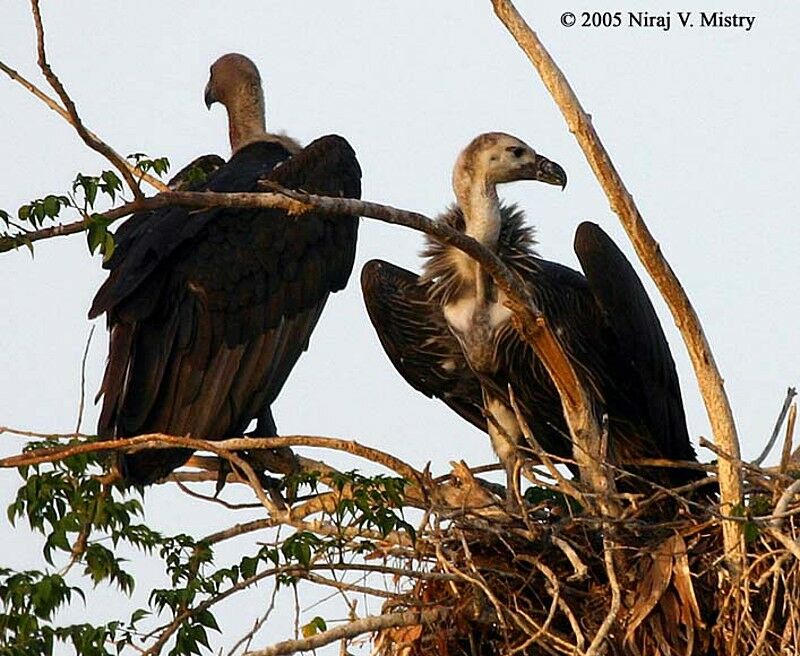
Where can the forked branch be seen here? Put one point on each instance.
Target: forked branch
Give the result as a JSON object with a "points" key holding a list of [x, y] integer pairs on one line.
{"points": [[53, 104], [89, 138]]}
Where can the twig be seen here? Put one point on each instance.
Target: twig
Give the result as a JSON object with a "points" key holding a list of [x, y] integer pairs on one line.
{"points": [[616, 601], [43, 436], [342, 586], [767, 623], [791, 392], [783, 504], [791, 545], [83, 381], [787, 445], [581, 570], [248, 637], [649, 252], [63, 113], [564, 485], [353, 629], [89, 138]]}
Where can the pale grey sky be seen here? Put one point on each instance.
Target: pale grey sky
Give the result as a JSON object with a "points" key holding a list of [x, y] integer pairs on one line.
{"points": [[701, 123]]}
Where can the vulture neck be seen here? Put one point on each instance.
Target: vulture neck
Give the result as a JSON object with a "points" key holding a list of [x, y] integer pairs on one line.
{"points": [[246, 120], [477, 198]]}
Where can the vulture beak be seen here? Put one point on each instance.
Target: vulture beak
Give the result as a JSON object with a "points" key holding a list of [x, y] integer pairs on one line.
{"points": [[545, 170], [209, 96]]}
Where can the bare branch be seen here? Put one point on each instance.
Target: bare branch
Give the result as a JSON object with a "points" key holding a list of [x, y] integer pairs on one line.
{"points": [[89, 138], [82, 402], [224, 448], [596, 647], [63, 113], [791, 392], [353, 629]]}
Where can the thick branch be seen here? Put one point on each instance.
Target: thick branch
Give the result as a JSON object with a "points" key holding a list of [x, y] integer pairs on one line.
{"points": [[89, 138], [352, 630], [649, 252], [529, 321], [221, 447]]}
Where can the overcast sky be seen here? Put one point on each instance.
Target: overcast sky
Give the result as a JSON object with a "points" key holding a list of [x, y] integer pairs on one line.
{"points": [[701, 123]]}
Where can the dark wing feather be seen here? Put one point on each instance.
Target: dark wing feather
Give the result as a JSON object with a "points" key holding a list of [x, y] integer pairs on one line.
{"points": [[147, 239], [210, 310], [632, 318], [196, 173], [415, 336]]}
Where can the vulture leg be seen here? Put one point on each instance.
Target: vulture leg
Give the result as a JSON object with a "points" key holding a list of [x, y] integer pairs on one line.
{"points": [[281, 459], [505, 434]]}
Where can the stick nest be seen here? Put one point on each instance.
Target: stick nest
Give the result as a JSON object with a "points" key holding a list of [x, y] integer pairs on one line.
{"points": [[550, 583]]}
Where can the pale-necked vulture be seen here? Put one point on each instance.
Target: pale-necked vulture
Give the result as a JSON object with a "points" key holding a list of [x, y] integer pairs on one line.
{"points": [[209, 310], [449, 334]]}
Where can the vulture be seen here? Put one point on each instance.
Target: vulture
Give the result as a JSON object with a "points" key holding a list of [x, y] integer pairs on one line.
{"points": [[209, 310], [449, 334]]}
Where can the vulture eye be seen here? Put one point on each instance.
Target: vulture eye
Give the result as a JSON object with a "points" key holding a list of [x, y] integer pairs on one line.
{"points": [[519, 151]]}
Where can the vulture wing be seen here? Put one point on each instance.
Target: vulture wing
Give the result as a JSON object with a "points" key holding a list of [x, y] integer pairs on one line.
{"points": [[415, 336], [633, 320], [209, 310]]}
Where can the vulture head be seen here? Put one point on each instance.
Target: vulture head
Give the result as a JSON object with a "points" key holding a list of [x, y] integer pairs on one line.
{"points": [[490, 159], [493, 158], [234, 78], [236, 83]]}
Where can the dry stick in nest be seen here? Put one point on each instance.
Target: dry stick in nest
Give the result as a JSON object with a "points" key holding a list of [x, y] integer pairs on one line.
{"points": [[791, 392], [649, 252], [786, 453]]}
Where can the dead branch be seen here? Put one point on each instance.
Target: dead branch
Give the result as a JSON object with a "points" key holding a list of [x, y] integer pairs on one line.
{"points": [[791, 392], [647, 248], [353, 629], [786, 452], [63, 113], [89, 138], [596, 647], [223, 448]]}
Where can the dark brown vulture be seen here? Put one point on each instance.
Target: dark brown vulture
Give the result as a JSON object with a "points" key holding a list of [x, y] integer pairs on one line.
{"points": [[209, 310], [449, 334]]}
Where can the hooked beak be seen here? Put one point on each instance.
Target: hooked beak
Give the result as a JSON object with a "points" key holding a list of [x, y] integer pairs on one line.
{"points": [[209, 96], [545, 170]]}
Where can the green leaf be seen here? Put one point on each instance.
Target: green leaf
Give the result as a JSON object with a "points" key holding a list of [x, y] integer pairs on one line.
{"points": [[51, 206], [315, 626], [205, 618], [108, 246], [751, 532]]}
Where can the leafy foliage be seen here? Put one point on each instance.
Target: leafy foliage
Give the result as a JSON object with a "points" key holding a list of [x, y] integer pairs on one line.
{"points": [[373, 503], [85, 523], [143, 163], [85, 193]]}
